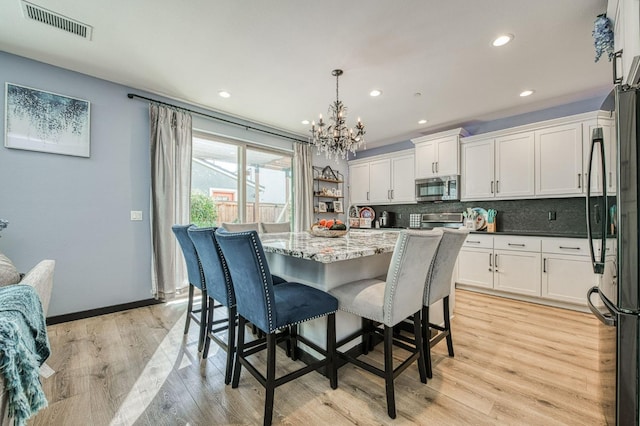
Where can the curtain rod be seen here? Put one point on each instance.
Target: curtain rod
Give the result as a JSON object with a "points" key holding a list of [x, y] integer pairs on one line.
{"points": [[247, 127]]}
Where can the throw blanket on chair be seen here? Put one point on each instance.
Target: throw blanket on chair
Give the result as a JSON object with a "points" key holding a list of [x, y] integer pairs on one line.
{"points": [[24, 346]]}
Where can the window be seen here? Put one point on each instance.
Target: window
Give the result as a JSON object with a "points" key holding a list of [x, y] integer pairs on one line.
{"points": [[261, 194]]}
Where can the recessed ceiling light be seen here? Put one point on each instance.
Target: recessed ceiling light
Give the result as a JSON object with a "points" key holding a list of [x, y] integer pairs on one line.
{"points": [[305, 122], [375, 93], [526, 93], [423, 121], [224, 94], [502, 40]]}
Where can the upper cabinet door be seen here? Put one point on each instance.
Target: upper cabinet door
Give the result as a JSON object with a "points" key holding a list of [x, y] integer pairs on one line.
{"points": [[425, 160], [558, 154], [403, 180], [477, 170], [447, 160], [359, 183], [380, 181], [515, 162]]}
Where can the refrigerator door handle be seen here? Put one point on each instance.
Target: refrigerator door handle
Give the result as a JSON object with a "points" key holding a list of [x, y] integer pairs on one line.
{"points": [[609, 319], [598, 265]]}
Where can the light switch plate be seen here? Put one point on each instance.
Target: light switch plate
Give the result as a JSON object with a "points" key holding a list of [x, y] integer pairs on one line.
{"points": [[136, 215]]}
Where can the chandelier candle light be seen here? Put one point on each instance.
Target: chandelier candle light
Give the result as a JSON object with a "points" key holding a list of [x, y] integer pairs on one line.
{"points": [[337, 139]]}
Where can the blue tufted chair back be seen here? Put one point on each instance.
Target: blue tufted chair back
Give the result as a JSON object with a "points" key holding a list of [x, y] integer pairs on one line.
{"points": [[251, 277], [216, 273], [194, 273]]}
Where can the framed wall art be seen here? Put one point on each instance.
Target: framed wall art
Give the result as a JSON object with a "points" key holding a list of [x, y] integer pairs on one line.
{"points": [[37, 120]]}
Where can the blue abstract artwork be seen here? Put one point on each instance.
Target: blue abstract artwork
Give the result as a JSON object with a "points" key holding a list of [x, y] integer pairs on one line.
{"points": [[36, 120]]}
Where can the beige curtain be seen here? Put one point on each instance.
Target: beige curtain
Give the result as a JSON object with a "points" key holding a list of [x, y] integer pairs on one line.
{"points": [[170, 188], [302, 187]]}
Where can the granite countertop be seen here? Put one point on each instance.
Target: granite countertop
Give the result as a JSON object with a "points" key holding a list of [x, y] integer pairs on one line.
{"points": [[327, 250]]}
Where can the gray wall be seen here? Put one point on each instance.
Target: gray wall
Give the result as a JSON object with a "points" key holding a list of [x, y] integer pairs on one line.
{"points": [[77, 210]]}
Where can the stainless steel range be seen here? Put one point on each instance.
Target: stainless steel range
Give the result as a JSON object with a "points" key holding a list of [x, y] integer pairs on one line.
{"points": [[438, 220]]}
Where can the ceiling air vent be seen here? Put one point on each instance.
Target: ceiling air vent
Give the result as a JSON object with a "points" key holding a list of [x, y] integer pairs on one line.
{"points": [[61, 22]]}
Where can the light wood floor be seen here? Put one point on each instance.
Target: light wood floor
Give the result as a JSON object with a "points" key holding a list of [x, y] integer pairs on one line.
{"points": [[516, 363]]}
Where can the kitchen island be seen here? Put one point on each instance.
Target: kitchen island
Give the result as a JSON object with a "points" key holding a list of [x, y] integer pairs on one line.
{"points": [[326, 263]]}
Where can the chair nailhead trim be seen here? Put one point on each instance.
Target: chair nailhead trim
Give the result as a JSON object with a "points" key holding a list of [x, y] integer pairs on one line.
{"points": [[394, 280], [305, 320], [265, 283]]}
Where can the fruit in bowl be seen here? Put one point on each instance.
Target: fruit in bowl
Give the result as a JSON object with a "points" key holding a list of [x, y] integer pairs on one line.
{"points": [[329, 228]]}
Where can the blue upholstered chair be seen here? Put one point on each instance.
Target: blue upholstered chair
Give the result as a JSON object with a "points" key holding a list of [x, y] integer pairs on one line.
{"points": [[438, 288], [272, 309], [219, 288], [196, 280], [389, 303]]}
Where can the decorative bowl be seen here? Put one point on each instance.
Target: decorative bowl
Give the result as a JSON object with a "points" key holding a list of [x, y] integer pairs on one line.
{"points": [[320, 231]]}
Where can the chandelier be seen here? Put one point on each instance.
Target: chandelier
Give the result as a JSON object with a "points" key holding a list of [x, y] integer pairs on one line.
{"points": [[336, 139]]}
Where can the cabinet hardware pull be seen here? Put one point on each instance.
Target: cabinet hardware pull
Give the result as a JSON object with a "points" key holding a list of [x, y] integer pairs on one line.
{"points": [[495, 262], [367, 195], [497, 186], [544, 265], [437, 166], [490, 262], [474, 242], [569, 248], [433, 167], [388, 193], [610, 180], [392, 195], [492, 187], [579, 180], [515, 245]]}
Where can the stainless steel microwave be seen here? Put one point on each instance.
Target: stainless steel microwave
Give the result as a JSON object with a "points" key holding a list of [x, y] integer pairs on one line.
{"points": [[443, 188]]}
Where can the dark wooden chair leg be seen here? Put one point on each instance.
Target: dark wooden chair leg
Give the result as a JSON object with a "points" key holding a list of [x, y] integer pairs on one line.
{"points": [[189, 309], [388, 371], [231, 343], [207, 339], [447, 324], [365, 335], [332, 367], [239, 352], [426, 337], [270, 384], [293, 330], [417, 333]]}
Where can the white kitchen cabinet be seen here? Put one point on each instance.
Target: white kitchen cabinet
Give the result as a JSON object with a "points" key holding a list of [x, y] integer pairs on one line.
{"points": [[498, 168], [477, 170], [567, 278], [475, 267], [379, 180], [626, 30], [384, 179], [558, 158], [517, 272], [438, 154], [359, 183], [514, 166], [403, 179]]}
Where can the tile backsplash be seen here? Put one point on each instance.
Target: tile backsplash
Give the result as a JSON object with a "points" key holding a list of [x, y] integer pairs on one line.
{"points": [[513, 215]]}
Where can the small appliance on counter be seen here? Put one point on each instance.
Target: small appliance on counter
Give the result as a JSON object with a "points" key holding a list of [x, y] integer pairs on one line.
{"points": [[387, 219]]}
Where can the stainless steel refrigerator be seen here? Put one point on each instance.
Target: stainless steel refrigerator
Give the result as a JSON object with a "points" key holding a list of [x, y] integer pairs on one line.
{"points": [[618, 306]]}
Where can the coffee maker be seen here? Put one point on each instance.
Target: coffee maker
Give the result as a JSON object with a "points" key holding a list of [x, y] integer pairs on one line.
{"points": [[387, 219]]}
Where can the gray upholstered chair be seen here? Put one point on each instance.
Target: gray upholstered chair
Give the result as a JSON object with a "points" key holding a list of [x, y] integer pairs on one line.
{"points": [[241, 227], [438, 288], [196, 280], [273, 308], [272, 227], [390, 302]]}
